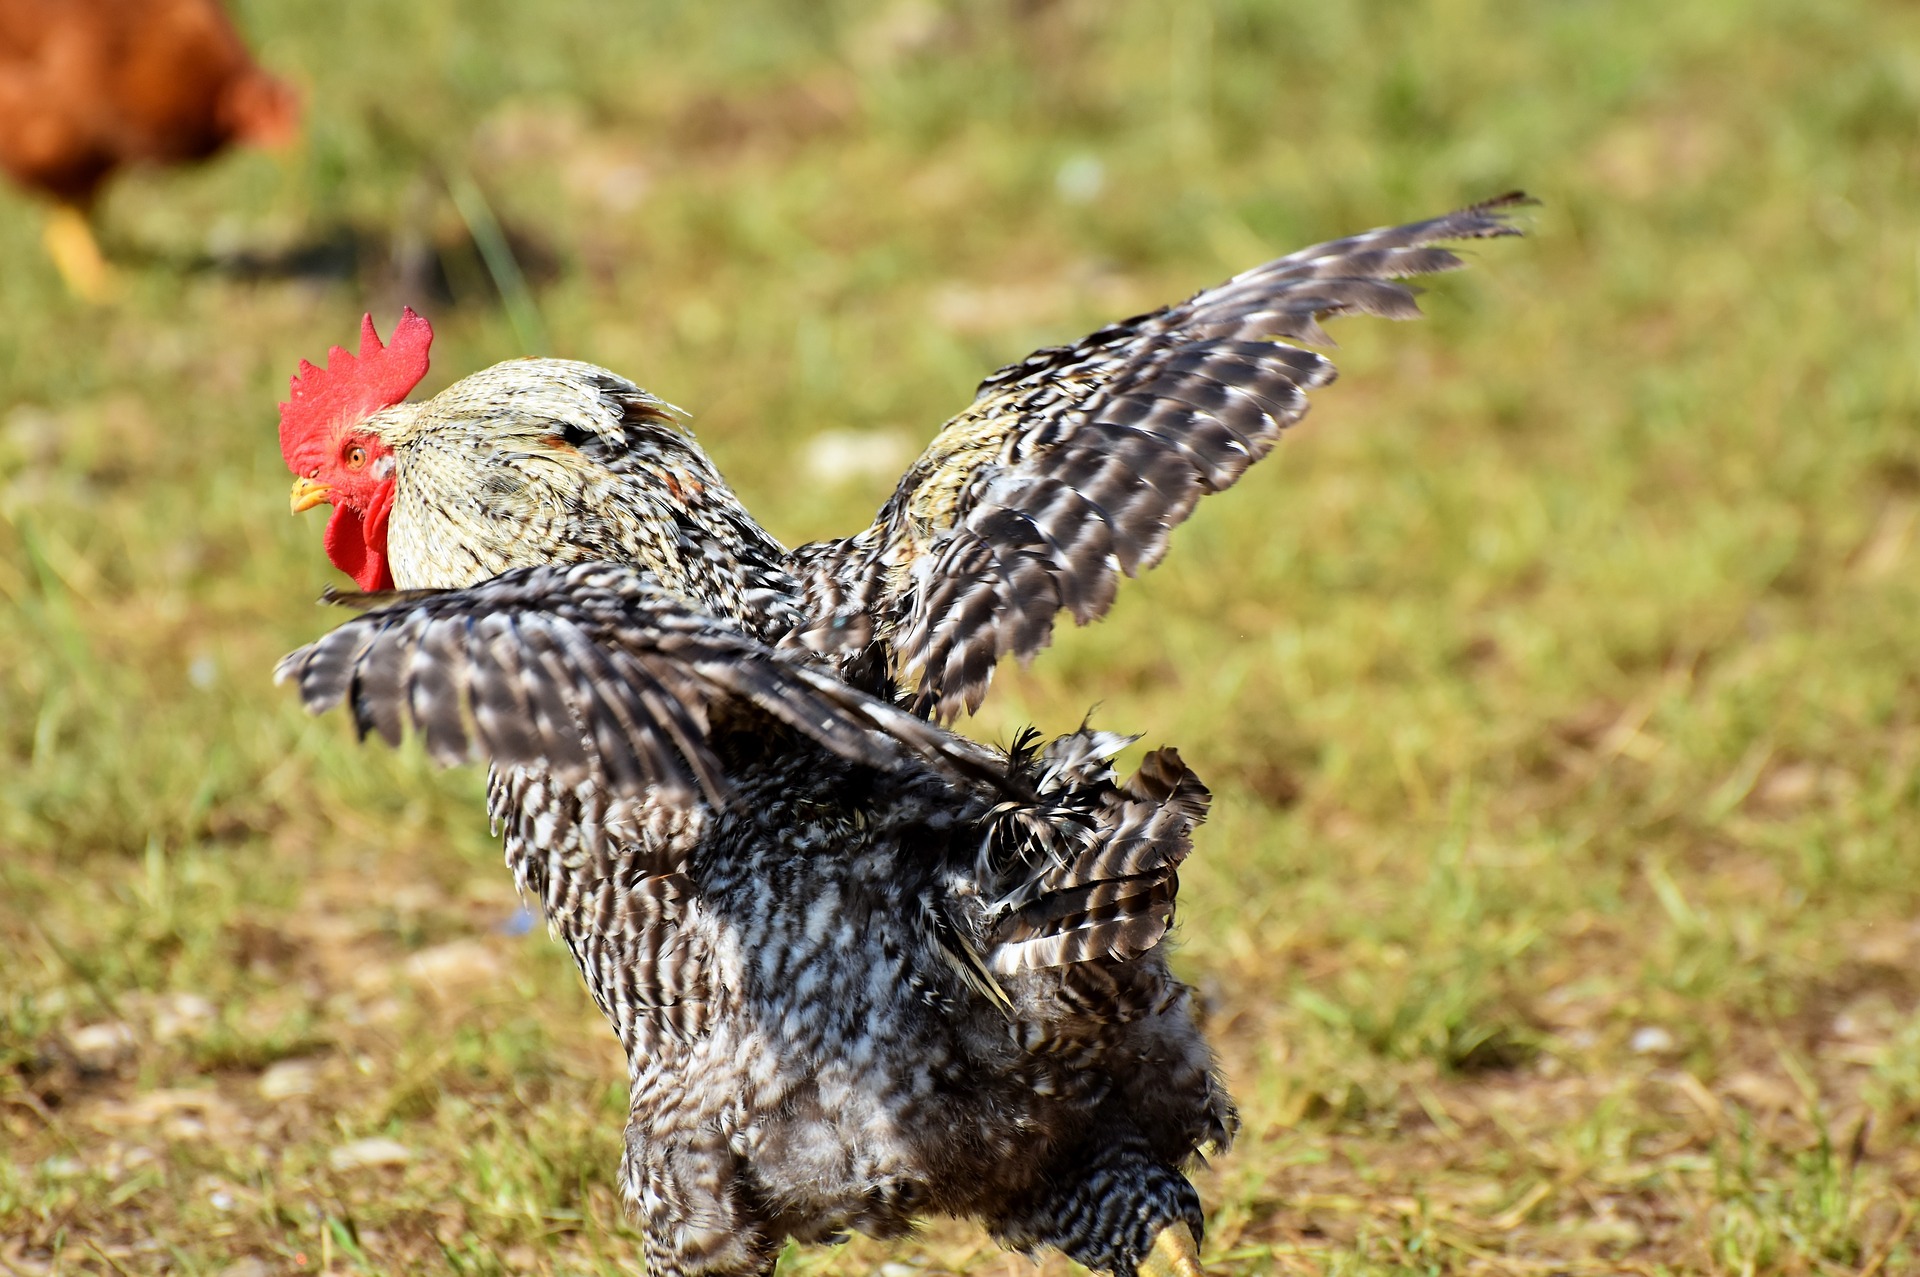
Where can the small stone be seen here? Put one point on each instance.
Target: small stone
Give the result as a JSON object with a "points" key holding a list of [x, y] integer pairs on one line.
{"points": [[377, 1151], [1651, 1039], [133, 1158], [101, 1046], [289, 1078], [1080, 179], [181, 1015], [457, 965], [1789, 786], [181, 1112], [35, 432], [1762, 1093]]}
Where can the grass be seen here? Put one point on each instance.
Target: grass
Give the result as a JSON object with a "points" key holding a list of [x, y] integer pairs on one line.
{"points": [[1558, 913]]}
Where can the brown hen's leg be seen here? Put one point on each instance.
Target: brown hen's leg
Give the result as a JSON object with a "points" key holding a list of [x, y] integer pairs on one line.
{"points": [[1174, 1254], [76, 254]]}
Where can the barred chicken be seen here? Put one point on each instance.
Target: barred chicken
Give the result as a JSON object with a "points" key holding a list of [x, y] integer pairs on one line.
{"points": [[863, 969]]}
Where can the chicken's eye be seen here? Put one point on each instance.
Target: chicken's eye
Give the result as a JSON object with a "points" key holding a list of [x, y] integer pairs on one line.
{"points": [[356, 457]]}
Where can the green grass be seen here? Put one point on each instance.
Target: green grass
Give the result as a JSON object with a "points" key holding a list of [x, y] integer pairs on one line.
{"points": [[1556, 677]]}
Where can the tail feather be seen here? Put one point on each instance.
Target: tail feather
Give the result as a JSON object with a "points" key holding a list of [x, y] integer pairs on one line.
{"points": [[1107, 893], [1087, 941]]}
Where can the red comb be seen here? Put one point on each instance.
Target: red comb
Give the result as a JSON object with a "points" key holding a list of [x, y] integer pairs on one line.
{"points": [[351, 388]]}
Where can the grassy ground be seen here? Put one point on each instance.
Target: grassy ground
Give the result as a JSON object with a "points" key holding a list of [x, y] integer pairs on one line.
{"points": [[1556, 678]]}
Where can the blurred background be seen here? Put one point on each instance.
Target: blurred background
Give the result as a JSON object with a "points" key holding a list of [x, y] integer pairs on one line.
{"points": [[1556, 677]]}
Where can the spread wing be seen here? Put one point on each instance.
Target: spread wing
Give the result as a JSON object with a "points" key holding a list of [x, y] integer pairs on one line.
{"points": [[596, 673], [1074, 465]]}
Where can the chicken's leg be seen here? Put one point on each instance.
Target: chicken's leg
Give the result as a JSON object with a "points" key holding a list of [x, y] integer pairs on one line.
{"points": [[1110, 1204], [1174, 1254], [76, 254]]}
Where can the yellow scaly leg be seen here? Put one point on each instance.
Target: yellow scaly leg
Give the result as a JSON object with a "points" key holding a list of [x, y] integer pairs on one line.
{"points": [[76, 254], [1174, 1254]]}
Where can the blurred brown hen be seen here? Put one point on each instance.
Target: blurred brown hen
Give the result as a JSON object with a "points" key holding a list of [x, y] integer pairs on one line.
{"points": [[89, 85]]}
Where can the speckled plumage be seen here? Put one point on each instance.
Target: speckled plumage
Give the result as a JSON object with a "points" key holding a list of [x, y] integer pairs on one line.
{"points": [[1072, 466], [863, 969]]}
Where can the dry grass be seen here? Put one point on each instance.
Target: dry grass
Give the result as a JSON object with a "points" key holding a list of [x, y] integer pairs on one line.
{"points": [[1559, 911]]}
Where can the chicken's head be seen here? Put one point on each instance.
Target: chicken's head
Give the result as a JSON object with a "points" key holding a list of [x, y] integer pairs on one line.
{"points": [[259, 110], [338, 461]]}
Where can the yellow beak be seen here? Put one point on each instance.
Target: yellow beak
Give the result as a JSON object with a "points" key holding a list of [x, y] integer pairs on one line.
{"points": [[308, 494]]}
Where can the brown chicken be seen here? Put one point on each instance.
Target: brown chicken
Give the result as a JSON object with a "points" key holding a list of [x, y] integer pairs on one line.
{"points": [[89, 85]]}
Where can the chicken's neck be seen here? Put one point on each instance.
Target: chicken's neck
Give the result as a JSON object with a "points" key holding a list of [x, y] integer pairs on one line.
{"points": [[680, 521]]}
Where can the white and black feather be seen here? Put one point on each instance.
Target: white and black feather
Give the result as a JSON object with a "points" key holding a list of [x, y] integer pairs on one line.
{"points": [[1072, 467]]}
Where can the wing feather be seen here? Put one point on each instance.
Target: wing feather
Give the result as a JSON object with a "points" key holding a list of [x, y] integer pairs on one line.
{"points": [[436, 691], [377, 708], [1072, 467], [502, 706], [595, 672], [1113, 899]]}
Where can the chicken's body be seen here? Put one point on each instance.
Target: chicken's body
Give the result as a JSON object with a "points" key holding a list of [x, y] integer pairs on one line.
{"points": [[863, 969], [88, 86], [801, 984], [826, 987]]}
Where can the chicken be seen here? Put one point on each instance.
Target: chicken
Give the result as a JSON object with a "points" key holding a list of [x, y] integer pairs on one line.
{"points": [[863, 969], [87, 86]]}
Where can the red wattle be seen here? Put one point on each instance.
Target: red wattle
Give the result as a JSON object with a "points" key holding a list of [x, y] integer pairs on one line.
{"points": [[359, 547], [381, 575]]}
